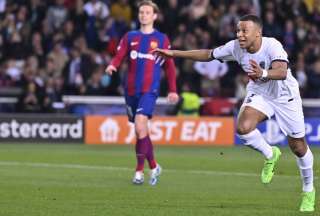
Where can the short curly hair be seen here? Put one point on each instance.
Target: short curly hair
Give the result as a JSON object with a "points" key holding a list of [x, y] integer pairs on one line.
{"points": [[252, 18]]}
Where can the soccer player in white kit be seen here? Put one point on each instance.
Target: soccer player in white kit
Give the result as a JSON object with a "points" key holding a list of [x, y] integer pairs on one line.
{"points": [[272, 90]]}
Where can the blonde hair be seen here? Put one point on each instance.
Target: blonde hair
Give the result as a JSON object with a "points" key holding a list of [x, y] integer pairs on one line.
{"points": [[149, 3]]}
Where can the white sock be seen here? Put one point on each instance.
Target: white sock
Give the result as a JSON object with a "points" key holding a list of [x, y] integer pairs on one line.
{"points": [[255, 140], [305, 165]]}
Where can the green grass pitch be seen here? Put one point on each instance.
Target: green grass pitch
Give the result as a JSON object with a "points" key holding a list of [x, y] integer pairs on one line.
{"points": [[79, 180]]}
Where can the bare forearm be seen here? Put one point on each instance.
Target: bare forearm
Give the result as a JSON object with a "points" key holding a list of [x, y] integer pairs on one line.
{"points": [[277, 74], [278, 71], [196, 55]]}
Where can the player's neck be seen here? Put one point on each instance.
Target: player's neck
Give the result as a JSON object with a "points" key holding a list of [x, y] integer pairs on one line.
{"points": [[255, 46], [146, 29]]}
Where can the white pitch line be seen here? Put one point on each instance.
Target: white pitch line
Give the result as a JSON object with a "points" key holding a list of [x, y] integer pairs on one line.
{"points": [[112, 168]]}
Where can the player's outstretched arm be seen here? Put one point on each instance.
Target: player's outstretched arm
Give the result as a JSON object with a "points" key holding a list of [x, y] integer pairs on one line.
{"points": [[110, 69], [196, 55]]}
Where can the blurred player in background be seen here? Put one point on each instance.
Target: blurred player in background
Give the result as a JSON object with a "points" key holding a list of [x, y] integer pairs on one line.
{"points": [[272, 90], [142, 82]]}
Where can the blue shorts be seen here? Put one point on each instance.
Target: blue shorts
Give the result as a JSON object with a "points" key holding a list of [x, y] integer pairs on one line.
{"points": [[140, 104]]}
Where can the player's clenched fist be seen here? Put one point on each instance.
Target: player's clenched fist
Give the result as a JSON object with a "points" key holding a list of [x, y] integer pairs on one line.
{"points": [[173, 97], [255, 71]]}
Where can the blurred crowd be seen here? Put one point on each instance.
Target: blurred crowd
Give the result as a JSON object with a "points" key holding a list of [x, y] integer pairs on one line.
{"points": [[61, 47]]}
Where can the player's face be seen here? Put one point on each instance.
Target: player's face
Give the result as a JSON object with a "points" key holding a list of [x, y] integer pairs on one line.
{"points": [[247, 33], [146, 15]]}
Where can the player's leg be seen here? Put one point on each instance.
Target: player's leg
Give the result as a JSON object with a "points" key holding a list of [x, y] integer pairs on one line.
{"points": [[304, 159], [289, 116], [132, 103], [144, 141], [144, 112], [246, 128], [141, 126], [142, 133], [253, 111]]}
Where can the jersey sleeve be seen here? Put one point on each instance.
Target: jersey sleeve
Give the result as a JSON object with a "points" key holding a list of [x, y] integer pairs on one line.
{"points": [[277, 52], [224, 52], [170, 68], [122, 50]]}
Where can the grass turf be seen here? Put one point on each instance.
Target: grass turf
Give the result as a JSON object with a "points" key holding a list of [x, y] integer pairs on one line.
{"points": [[79, 180]]}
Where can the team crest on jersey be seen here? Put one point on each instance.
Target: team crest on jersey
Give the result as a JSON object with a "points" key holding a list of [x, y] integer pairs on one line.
{"points": [[262, 65], [153, 44]]}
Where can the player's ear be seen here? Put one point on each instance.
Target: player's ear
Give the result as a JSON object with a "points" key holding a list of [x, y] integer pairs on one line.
{"points": [[155, 16], [259, 32]]}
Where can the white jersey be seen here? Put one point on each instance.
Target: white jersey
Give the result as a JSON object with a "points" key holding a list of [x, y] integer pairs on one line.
{"points": [[270, 50]]}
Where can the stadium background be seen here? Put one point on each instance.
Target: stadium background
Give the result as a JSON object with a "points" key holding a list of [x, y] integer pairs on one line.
{"points": [[53, 89], [55, 48], [53, 55]]}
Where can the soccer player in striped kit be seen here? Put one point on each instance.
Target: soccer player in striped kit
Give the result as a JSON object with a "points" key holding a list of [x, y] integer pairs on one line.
{"points": [[142, 82]]}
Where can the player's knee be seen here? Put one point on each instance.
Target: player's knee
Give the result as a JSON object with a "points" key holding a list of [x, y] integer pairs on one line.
{"points": [[299, 150], [245, 127], [141, 130], [298, 146]]}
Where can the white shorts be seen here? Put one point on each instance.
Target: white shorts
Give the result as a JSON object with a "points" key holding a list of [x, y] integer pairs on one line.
{"points": [[288, 113]]}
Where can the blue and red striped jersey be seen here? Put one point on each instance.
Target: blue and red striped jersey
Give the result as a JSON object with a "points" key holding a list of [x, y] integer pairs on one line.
{"points": [[145, 68]]}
